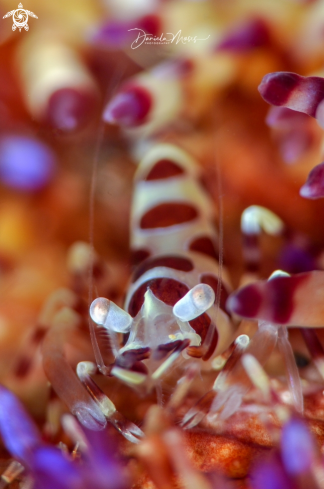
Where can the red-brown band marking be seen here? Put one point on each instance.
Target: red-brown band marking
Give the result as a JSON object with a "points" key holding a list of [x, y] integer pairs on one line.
{"points": [[141, 104], [163, 350], [166, 290], [164, 169], [130, 357], [175, 262], [205, 351], [314, 186], [202, 325], [294, 91], [137, 256], [282, 292], [168, 214], [204, 245], [272, 300]]}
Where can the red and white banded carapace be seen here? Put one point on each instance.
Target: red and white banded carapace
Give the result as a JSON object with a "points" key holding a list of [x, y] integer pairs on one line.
{"points": [[171, 211], [171, 303]]}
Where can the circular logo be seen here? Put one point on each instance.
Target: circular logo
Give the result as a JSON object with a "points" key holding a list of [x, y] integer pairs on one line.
{"points": [[20, 18]]}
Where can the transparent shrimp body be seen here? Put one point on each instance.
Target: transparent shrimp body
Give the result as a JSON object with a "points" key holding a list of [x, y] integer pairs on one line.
{"points": [[175, 303], [157, 325], [157, 334], [170, 304]]}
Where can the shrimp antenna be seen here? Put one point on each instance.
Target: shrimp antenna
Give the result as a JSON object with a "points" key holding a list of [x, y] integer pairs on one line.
{"points": [[220, 230], [95, 163]]}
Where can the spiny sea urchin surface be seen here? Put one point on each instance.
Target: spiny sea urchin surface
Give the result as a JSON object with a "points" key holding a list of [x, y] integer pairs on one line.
{"points": [[161, 244]]}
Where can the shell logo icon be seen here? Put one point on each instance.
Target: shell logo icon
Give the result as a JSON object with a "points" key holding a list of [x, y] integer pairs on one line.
{"points": [[20, 18]]}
